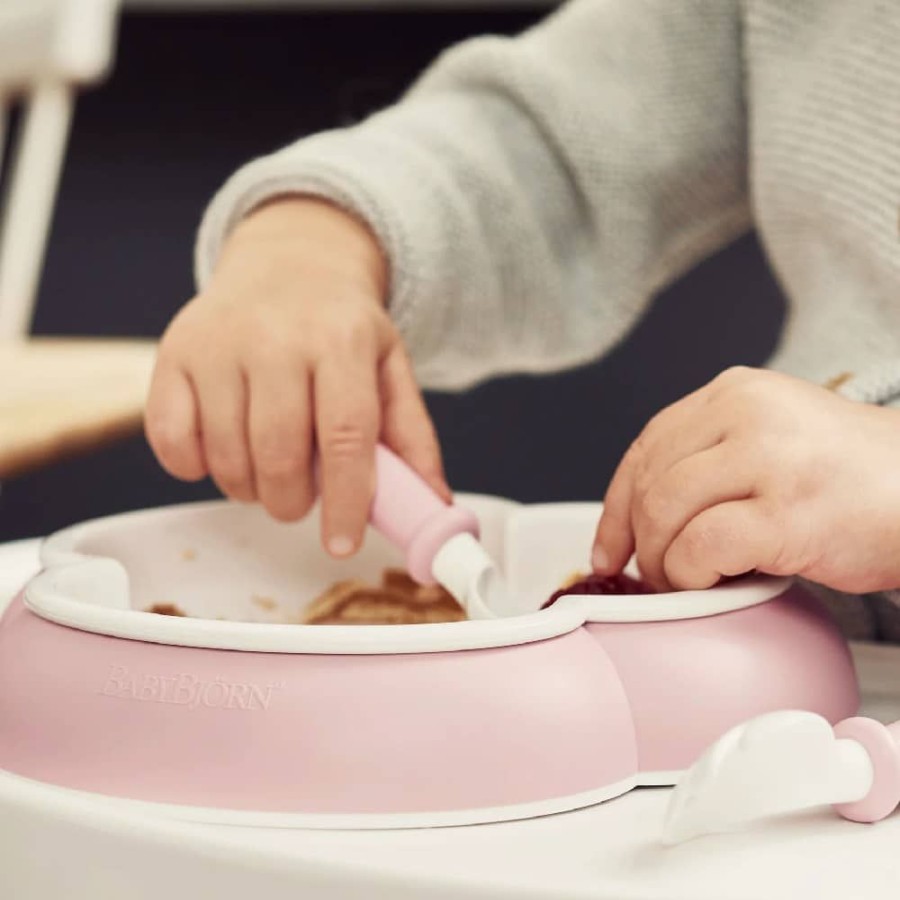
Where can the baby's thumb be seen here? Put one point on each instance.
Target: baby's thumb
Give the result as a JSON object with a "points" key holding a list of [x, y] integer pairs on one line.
{"points": [[406, 426]]}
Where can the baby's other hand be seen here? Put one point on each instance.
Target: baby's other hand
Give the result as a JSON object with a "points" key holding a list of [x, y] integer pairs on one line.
{"points": [[759, 471], [286, 354]]}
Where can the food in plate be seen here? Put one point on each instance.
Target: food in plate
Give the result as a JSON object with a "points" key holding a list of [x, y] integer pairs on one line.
{"points": [[600, 584], [398, 600]]}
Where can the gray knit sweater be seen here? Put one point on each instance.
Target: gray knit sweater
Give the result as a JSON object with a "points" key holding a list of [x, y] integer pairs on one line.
{"points": [[533, 193]]}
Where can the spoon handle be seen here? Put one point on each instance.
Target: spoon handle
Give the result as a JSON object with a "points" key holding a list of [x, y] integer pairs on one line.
{"points": [[412, 516]]}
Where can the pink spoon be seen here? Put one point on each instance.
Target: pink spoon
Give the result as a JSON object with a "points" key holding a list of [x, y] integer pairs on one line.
{"points": [[439, 540]]}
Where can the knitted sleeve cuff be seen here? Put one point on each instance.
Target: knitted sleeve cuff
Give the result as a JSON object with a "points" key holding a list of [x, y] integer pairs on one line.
{"points": [[879, 385], [359, 175]]}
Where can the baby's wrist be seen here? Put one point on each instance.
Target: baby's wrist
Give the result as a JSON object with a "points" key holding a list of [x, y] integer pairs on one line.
{"points": [[335, 236]]}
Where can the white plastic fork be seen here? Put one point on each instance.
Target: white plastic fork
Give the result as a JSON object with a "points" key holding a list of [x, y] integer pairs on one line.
{"points": [[783, 762]]}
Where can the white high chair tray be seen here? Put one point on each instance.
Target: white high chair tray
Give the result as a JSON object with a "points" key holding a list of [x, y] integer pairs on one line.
{"points": [[57, 846]]}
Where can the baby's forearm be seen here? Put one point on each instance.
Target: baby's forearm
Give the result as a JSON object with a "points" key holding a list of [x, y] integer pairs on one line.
{"points": [[533, 193]]}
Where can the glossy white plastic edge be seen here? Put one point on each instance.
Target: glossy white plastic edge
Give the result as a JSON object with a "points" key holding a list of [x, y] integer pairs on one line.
{"points": [[330, 821], [43, 596], [262, 638], [728, 597]]}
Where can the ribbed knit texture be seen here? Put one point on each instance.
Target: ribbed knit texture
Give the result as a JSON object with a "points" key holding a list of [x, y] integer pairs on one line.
{"points": [[534, 193]]}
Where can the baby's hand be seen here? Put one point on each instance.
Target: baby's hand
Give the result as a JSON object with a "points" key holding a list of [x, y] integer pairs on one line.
{"points": [[761, 471], [289, 352]]}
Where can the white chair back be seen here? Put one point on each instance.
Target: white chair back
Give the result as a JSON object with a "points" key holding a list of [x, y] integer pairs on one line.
{"points": [[47, 49]]}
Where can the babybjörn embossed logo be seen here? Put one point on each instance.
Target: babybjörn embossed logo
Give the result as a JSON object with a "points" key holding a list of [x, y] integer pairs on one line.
{"points": [[184, 689]]}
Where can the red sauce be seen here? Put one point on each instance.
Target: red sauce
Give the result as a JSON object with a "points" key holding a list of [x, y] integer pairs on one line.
{"points": [[602, 584]]}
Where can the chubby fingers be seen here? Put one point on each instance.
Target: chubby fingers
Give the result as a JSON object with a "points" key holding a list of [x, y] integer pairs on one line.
{"points": [[281, 438], [729, 539], [676, 433], [222, 395], [406, 427], [681, 493], [347, 421], [172, 423]]}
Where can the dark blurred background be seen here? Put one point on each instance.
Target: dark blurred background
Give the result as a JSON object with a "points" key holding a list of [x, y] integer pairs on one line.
{"points": [[196, 94]]}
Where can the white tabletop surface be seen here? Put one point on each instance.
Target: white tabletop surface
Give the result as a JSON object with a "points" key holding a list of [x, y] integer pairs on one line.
{"points": [[608, 851]]}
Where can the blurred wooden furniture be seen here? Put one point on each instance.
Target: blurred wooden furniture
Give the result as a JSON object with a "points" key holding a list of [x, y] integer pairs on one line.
{"points": [[56, 395], [60, 396]]}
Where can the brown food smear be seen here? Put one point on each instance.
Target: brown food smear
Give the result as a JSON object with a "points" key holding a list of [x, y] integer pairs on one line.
{"points": [[266, 603], [399, 600], [166, 609]]}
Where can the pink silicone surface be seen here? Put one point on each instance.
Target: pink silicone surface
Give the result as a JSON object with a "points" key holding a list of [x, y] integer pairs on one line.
{"points": [[382, 733], [310, 733], [691, 680], [412, 516]]}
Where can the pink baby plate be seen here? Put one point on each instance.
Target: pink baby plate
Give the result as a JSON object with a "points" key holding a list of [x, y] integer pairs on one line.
{"points": [[233, 715]]}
